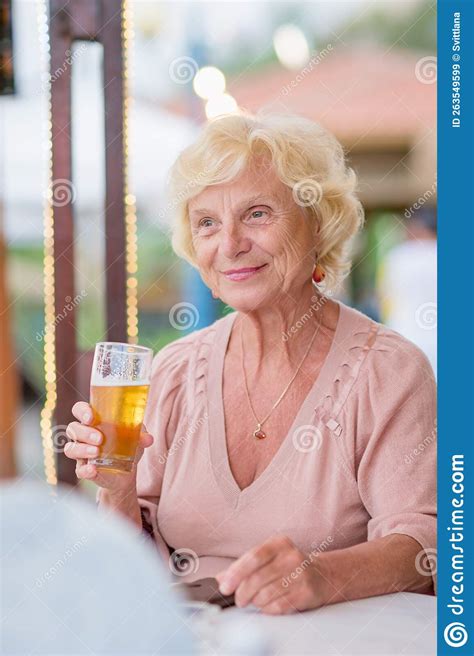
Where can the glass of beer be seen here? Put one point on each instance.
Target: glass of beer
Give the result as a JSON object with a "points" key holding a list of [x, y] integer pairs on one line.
{"points": [[120, 381]]}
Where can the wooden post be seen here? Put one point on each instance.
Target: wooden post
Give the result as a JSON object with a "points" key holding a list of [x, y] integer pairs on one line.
{"points": [[9, 383], [101, 21], [9, 378]]}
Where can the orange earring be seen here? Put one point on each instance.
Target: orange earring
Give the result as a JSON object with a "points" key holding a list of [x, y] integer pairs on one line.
{"points": [[318, 274]]}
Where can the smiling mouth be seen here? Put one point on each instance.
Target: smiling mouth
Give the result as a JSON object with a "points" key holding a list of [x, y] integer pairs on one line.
{"points": [[242, 274]]}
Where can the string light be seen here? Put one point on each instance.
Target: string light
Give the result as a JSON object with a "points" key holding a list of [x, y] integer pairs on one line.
{"points": [[131, 251], [47, 412]]}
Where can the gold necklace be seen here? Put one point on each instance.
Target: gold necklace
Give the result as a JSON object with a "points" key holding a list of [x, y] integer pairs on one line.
{"points": [[258, 433]]}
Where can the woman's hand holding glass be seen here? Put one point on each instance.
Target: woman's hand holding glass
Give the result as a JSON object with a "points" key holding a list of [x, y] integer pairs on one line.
{"points": [[109, 438], [84, 445]]}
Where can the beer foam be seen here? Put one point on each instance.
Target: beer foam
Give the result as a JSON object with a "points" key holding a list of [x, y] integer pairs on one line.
{"points": [[110, 381]]}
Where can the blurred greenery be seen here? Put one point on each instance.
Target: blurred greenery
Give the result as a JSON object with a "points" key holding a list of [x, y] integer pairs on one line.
{"points": [[27, 253], [383, 230], [414, 28]]}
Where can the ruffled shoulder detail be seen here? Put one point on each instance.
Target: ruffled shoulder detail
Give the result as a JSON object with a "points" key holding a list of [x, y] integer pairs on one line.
{"points": [[362, 336], [186, 360], [199, 363], [363, 343], [403, 351], [172, 360]]}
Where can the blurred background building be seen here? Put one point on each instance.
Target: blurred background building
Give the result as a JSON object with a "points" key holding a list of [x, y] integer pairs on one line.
{"points": [[365, 70]]}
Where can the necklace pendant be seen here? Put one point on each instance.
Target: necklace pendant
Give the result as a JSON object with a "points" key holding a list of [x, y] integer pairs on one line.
{"points": [[259, 434]]}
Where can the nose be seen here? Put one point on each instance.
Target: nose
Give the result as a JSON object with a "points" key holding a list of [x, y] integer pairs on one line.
{"points": [[233, 240]]}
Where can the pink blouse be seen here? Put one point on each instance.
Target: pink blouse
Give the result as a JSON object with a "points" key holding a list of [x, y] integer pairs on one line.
{"points": [[358, 463]]}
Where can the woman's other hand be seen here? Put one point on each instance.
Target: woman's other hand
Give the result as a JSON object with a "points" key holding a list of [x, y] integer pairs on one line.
{"points": [[277, 578]]}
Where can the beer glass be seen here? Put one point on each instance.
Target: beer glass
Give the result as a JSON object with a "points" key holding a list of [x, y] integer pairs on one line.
{"points": [[120, 381]]}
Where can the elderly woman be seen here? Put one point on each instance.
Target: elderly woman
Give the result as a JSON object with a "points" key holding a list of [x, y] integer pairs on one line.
{"points": [[283, 445]]}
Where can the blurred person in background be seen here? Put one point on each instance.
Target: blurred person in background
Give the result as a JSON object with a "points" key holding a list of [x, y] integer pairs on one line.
{"points": [[407, 284], [73, 583]]}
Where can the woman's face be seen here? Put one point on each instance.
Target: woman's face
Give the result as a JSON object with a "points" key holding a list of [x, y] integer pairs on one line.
{"points": [[252, 222]]}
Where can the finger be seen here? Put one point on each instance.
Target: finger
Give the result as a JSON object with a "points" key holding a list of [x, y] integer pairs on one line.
{"points": [[281, 606], [83, 412], [86, 471], [269, 593], [75, 450], [146, 439], [81, 433], [257, 582], [247, 564]]}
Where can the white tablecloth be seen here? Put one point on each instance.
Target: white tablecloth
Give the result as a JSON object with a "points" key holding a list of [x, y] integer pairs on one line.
{"points": [[396, 624]]}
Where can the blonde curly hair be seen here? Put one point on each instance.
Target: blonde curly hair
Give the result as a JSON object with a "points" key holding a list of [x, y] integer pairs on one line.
{"points": [[306, 158]]}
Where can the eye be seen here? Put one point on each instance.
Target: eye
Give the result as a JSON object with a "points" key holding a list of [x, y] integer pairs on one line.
{"points": [[204, 227], [259, 214], [205, 223]]}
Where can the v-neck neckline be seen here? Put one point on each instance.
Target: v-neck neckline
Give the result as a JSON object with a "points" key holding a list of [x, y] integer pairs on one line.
{"points": [[216, 426]]}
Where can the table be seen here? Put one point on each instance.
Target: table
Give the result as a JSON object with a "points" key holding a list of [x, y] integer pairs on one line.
{"points": [[400, 623]]}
